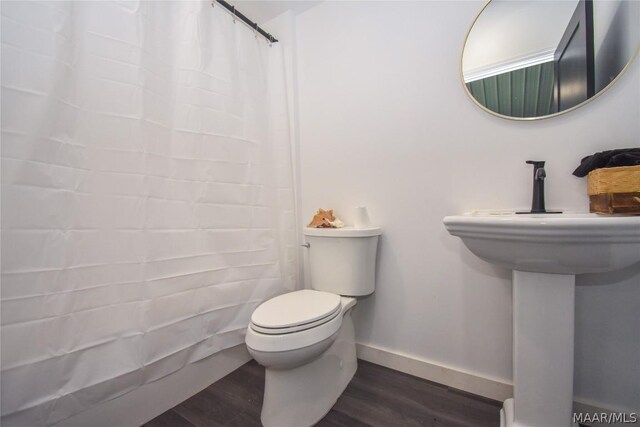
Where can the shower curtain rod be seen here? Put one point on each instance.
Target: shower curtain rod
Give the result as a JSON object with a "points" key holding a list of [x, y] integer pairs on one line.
{"points": [[237, 14]]}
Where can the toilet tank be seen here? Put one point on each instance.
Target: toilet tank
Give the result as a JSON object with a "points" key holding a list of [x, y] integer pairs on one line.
{"points": [[343, 260]]}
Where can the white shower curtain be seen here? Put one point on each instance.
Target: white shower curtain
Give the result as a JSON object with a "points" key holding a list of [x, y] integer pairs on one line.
{"points": [[147, 197]]}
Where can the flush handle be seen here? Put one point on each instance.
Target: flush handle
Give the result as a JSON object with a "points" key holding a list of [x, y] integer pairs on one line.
{"points": [[306, 245]]}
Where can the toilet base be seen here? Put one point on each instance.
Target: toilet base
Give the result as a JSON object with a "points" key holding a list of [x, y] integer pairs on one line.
{"points": [[301, 396], [507, 417]]}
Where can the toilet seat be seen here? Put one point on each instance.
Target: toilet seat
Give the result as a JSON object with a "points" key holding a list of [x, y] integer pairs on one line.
{"points": [[275, 342], [295, 311]]}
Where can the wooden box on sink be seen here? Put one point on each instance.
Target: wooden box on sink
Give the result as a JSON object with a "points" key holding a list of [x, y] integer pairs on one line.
{"points": [[615, 190]]}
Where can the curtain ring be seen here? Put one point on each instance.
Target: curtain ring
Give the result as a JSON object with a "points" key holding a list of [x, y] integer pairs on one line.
{"points": [[255, 30], [233, 10]]}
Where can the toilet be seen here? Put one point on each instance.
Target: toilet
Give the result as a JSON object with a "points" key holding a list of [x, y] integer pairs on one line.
{"points": [[305, 339]]}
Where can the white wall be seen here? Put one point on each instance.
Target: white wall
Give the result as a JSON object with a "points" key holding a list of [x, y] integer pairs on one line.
{"points": [[384, 121]]}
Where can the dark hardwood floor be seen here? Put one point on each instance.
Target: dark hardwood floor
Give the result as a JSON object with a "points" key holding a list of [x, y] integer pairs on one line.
{"points": [[377, 396]]}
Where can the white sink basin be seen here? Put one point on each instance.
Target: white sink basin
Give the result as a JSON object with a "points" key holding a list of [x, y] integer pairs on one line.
{"points": [[552, 243], [545, 253]]}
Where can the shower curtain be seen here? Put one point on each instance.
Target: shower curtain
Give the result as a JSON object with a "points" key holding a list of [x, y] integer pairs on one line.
{"points": [[147, 196]]}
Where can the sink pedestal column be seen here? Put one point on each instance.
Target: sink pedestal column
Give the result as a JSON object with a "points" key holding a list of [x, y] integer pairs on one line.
{"points": [[543, 328]]}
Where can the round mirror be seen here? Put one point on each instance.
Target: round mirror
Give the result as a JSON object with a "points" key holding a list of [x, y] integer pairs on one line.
{"points": [[532, 59]]}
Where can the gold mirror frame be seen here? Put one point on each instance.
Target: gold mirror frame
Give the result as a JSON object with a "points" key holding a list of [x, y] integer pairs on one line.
{"points": [[527, 119]]}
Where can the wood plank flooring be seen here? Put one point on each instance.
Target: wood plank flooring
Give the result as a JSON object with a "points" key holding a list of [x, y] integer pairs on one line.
{"points": [[377, 396]]}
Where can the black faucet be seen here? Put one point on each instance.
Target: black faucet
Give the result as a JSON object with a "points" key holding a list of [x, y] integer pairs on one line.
{"points": [[537, 202]]}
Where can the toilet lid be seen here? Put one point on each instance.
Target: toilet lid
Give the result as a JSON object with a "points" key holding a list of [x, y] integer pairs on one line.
{"points": [[295, 309]]}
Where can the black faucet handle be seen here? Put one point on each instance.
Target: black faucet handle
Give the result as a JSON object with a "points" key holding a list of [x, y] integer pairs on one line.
{"points": [[536, 163]]}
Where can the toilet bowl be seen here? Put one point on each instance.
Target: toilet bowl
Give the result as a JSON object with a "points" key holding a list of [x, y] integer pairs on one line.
{"points": [[306, 370], [305, 339], [295, 328]]}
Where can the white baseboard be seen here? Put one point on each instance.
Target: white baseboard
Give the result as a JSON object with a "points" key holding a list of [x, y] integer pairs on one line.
{"points": [[152, 399], [470, 382]]}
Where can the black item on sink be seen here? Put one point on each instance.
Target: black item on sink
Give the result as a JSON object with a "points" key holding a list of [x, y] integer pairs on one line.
{"points": [[608, 159], [537, 202]]}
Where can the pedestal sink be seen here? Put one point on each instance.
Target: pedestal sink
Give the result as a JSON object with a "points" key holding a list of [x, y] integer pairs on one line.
{"points": [[545, 253]]}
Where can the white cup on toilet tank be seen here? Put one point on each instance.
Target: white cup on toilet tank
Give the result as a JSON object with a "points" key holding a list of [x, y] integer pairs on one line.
{"points": [[361, 218]]}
